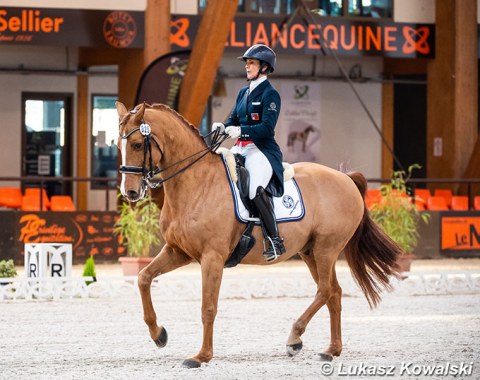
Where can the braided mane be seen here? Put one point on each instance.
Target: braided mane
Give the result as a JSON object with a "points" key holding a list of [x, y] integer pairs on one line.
{"points": [[164, 107]]}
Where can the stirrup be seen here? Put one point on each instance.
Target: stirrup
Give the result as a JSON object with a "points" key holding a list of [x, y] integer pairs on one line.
{"points": [[273, 252]]}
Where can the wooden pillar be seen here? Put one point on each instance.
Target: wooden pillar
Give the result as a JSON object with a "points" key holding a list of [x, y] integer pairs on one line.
{"points": [[130, 70], [452, 90], [157, 30], [206, 56], [82, 141]]}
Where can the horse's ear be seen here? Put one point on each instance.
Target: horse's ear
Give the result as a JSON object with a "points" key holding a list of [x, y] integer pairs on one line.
{"points": [[140, 112], [121, 109]]}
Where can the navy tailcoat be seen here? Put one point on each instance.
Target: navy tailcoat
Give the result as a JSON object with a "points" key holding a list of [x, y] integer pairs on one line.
{"points": [[257, 114]]}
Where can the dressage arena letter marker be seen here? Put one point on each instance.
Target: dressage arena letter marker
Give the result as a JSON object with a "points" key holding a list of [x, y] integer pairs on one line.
{"points": [[48, 260]]}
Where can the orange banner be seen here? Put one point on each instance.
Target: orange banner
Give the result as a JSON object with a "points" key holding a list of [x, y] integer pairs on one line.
{"points": [[461, 232]]}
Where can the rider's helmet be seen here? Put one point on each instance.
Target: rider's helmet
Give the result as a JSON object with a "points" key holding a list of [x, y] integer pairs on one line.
{"points": [[264, 54]]}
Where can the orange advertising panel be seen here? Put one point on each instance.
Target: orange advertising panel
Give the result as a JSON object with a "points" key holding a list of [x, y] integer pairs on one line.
{"points": [[460, 232]]}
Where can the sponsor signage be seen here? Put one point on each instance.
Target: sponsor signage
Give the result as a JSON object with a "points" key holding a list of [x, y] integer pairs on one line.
{"points": [[89, 233], [71, 27], [460, 233], [342, 35], [125, 29]]}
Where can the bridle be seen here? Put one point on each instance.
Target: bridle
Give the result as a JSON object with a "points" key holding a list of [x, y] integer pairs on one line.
{"points": [[149, 172]]}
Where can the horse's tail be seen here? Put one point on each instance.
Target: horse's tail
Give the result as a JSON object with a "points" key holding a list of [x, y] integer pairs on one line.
{"points": [[370, 253]]}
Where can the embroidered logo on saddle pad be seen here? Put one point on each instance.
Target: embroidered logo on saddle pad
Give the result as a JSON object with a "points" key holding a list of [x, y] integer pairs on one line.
{"points": [[288, 208]]}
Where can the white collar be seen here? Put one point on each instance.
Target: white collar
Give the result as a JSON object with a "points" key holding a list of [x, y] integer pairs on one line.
{"points": [[254, 83]]}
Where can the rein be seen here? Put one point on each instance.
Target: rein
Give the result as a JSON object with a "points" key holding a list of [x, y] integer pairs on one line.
{"points": [[148, 173]]}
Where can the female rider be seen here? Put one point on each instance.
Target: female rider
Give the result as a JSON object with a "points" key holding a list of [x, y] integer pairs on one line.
{"points": [[252, 122]]}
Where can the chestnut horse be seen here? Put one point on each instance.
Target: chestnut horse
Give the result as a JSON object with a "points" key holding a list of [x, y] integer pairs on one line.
{"points": [[198, 223]]}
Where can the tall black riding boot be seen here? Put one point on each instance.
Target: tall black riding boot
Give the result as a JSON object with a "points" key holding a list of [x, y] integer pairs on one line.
{"points": [[264, 205]]}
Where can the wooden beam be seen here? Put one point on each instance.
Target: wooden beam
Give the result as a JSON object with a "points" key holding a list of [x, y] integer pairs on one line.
{"points": [[130, 70], [205, 58], [157, 30], [82, 141]]}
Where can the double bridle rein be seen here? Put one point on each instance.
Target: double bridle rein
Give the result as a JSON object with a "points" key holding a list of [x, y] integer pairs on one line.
{"points": [[149, 172]]}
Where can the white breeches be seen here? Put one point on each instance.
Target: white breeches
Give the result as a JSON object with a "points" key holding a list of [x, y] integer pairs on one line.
{"points": [[257, 165]]}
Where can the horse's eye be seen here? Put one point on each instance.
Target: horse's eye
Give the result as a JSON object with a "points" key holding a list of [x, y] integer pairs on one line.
{"points": [[137, 146]]}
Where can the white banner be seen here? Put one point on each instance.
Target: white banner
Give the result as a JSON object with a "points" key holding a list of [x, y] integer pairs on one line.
{"points": [[299, 135]]}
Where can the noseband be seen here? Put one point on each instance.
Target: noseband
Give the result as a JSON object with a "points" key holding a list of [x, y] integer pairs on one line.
{"points": [[148, 173]]}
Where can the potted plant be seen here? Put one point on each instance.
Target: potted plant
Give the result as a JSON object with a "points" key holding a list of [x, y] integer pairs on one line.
{"points": [[138, 227], [397, 215]]}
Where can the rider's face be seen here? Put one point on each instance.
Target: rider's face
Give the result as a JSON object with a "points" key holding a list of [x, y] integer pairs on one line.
{"points": [[252, 66]]}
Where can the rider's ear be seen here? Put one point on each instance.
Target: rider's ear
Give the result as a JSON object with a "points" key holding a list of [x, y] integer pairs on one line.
{"points": [[121, 109], [140, 112]]}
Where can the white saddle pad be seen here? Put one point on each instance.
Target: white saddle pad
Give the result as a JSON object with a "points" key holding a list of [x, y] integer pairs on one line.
{"points": [[288, 208]]}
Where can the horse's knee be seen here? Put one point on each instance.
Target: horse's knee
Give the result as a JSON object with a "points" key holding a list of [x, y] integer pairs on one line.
{"points": [[144, 280]]}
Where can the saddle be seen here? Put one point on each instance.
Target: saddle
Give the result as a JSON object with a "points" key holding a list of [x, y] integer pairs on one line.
{"points": [[289, 207]]}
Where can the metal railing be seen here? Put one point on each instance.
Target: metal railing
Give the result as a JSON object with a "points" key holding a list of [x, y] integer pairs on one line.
{"points": [[112, 184]]}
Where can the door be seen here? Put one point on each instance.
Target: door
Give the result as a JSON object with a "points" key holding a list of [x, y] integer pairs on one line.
{"points": [[46, 140], [410, 126]]}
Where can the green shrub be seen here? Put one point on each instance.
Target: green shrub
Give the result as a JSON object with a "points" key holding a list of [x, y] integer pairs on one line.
{"points": [[89, 270], [7, 269], [396, 214]]}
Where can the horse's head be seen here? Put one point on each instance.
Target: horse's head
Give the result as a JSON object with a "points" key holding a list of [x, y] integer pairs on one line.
{"points": [[139, 150]]}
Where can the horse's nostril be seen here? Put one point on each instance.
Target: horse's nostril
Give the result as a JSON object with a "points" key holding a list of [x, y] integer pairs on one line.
{"points": [[132, 194]]}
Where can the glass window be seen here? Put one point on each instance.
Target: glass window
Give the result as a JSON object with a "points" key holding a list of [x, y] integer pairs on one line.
{"points": [[370, 8], [202, 4], [271, 7], [330, 7], [45, 139], [104, 138]]}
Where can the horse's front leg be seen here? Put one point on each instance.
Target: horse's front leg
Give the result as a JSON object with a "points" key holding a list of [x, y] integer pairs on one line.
{"points": [[212, 271], [167, 260]]}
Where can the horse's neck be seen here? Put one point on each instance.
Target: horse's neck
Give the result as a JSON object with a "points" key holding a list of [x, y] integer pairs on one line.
{"points": [[178, 143], [190, 188]]}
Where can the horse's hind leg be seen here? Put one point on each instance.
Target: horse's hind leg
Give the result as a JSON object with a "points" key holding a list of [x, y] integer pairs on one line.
{"points": [[334, 304], [322, 268], [166, 261]]}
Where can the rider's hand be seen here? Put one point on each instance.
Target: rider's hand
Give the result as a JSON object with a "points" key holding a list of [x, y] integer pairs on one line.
{"points": [[218, 126], [233, 132]]}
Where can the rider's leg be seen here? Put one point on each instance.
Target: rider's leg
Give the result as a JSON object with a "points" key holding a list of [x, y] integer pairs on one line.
{"points": [[260, 174], [264, 204]]}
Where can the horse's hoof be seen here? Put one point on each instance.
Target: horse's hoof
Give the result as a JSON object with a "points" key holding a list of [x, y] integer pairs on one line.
{"points": [[190, 363], [294, 349], [162, 340], [326, 357]]}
